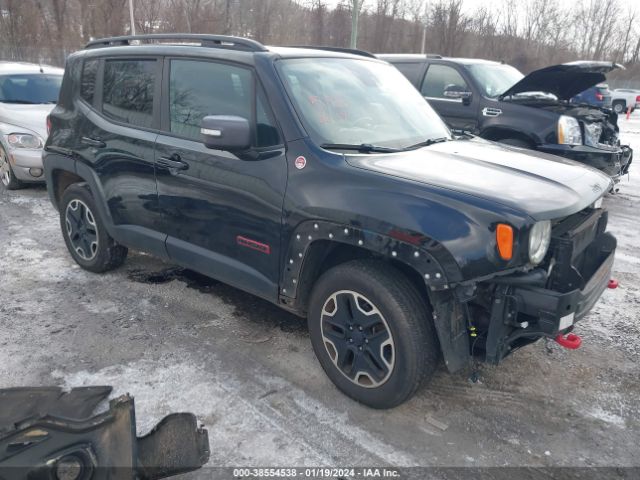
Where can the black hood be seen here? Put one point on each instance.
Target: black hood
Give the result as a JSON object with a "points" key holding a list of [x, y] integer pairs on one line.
{"points": [[565, 80]]}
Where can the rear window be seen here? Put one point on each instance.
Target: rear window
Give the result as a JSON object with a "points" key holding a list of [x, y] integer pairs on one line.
{"points": [[128, 88], [88, 80]]}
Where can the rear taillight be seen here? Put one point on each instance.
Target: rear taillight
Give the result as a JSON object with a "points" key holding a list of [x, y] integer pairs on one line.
{"points": [[599, 96], [48, 125], [638, 99]]}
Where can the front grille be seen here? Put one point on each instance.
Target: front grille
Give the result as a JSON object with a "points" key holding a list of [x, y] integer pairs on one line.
{"points": [[571, 238]]}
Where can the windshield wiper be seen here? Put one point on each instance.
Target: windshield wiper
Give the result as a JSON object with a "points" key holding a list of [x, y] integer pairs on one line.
{"points": [[426, 143], [362, 148]]}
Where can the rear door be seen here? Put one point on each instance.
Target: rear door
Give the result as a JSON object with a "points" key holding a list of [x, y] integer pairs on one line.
{"points": [[121, 105], [437, 86], [222, 211]]}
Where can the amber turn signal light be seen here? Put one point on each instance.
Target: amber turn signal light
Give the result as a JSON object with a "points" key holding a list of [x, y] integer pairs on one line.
{"points": [[504, 239]]}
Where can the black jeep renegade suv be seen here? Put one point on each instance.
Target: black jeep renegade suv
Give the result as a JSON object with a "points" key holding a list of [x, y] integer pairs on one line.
{"points": [[323, 182]]}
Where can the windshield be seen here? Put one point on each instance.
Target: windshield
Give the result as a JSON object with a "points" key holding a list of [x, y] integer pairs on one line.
{"points": [[30, 88], [494, 79], [348, 101]]}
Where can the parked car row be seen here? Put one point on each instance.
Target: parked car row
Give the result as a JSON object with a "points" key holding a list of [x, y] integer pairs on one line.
{"points": [[497, 102], [324, 183], [28, 92]]}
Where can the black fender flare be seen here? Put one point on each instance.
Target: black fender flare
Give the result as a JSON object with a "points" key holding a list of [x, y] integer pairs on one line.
{"points": [[128, 235], [429, 258], [437, 274], [57, 162]]}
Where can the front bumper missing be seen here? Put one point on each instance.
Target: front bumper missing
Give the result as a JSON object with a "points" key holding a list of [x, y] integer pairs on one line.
{"points": [[46, 433], [527, 307], [615, 162]]}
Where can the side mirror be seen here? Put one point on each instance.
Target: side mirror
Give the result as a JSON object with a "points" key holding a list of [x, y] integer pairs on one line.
{"points": [[225, 132], [456, 91]]}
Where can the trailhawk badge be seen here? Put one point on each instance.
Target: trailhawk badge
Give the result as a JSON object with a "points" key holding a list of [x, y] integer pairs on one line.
{"points": [[300, 162]]}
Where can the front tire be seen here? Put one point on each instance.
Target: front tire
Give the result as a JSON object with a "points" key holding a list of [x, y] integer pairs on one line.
{"points": [[372, 332], [85, 234], [7, 177]]}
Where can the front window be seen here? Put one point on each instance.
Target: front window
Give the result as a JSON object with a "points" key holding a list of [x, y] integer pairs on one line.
{"points": [[36, 88], [494, 79], [348, 101]]}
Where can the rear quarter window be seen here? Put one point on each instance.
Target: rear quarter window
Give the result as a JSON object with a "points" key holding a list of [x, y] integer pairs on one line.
{"points": [[88, 80]]}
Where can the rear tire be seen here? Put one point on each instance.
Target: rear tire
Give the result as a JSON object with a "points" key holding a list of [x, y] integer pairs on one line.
{"points": [[7, 176], [372, 332], [618, 107], [85, 234]]}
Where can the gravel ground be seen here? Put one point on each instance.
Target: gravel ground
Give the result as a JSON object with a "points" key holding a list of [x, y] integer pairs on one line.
{"points": [[179, 342]]}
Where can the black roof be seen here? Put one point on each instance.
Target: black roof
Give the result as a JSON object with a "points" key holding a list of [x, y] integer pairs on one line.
{"points": [[205, 45]]}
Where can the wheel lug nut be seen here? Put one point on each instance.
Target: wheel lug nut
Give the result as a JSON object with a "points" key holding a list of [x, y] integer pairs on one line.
{"points": [[366, 340], [351, 340], [360, 328], [350, 327], [360, 348]]}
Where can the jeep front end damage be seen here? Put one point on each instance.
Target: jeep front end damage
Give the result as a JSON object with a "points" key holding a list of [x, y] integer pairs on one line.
{"points": [[504, 313], [46, 433]]}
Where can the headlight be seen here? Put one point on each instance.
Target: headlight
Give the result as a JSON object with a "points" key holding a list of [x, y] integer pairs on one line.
{"points": [[569, 131], [592, 132], [539, 239], [24, 140]]}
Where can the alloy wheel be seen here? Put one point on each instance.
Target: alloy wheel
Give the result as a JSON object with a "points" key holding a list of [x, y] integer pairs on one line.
{"points": [[357, 338], [82, 229], [5, 172]]}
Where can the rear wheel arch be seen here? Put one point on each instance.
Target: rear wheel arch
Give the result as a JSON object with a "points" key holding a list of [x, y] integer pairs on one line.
{"points": [[61, 180]]}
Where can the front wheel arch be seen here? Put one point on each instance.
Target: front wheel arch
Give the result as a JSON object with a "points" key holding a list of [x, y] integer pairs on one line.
{"points": [[498, 134], [316, 246]]}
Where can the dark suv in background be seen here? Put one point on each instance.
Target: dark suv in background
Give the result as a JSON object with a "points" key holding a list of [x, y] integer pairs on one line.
{"points": [[324, 183], [497, 102]]}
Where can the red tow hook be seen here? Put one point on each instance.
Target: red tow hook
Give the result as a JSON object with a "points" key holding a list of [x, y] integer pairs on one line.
{"points": [[571, 341], [613, 283]]}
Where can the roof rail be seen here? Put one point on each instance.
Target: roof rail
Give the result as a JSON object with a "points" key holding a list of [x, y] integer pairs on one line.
{"points": [[433, 55], [212, 41], [352, 51]]}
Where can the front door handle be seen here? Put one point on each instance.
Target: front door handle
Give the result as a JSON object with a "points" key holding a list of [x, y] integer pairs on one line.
{"points": [[173, 162], [93, 142]]}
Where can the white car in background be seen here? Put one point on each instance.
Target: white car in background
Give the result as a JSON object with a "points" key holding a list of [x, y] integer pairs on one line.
{"points": [[28, 93], [622, 98]]}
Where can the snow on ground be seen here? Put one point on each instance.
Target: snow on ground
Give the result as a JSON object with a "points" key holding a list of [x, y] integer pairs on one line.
{"points": [[246, 368]]}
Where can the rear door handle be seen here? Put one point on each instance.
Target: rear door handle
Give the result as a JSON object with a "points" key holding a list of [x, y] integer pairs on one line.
{"points": [[173, 162], [93, 142]]}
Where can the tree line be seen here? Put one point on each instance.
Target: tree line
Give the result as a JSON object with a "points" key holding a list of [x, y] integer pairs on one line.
{"points": [[528, 34]]}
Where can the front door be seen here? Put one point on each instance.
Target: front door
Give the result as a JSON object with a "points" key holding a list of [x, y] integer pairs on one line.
{"points": [[439, 88], [222, 211]]}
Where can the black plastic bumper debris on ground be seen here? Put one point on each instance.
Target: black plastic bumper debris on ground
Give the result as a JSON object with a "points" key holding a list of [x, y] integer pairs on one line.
{"points": [[47, 433]]}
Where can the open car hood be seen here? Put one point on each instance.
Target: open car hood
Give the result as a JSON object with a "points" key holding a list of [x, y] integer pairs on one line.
{"points": [[565, 80]]}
